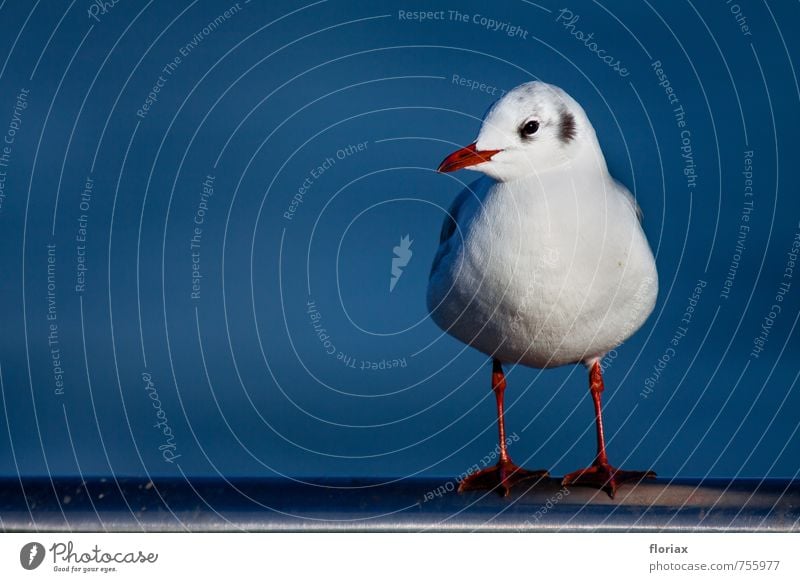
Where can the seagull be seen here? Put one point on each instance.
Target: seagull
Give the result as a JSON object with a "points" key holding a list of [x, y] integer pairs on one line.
{"points": [[542, 261]]}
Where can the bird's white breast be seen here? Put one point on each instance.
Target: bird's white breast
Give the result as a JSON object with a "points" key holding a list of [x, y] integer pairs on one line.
{"points": [[544, 271]]}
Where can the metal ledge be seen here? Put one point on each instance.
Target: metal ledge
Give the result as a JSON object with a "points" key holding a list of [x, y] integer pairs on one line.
{"points": [[165, 505]]}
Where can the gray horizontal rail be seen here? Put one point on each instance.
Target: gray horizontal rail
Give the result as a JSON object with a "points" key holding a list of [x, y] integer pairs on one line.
{"points": [[161, 505]]}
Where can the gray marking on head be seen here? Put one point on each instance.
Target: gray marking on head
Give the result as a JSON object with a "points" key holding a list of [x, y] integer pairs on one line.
{"points": [[566, 126]]}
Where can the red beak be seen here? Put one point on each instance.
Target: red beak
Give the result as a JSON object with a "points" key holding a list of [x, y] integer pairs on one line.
{"points": [[465, 157]]}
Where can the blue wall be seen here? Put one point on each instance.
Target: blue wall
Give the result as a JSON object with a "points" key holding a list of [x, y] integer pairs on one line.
{"points": [[140, 376]]}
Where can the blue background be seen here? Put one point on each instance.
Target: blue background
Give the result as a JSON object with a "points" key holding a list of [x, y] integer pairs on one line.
{"points": [[243, 381]]}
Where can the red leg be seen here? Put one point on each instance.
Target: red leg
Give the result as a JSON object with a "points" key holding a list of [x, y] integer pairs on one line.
{"points": [[505, 474], [602, 475]]}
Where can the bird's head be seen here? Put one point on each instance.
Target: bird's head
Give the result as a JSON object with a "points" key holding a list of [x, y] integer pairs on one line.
{"points": [[532, 128]]}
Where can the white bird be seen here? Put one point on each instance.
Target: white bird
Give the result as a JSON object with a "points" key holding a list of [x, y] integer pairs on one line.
{"points": [[543, 261]]}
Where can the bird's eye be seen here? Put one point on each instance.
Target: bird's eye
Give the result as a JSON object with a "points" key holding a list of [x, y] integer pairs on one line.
{"points": [[529, 128]]}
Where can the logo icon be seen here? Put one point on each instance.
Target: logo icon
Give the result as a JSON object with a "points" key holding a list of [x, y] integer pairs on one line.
{"points": [[402, 254], [31, 555]]}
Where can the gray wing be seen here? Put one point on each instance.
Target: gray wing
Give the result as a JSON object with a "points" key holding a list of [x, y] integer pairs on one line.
{"points": [[451, 220], [450, 224]]}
